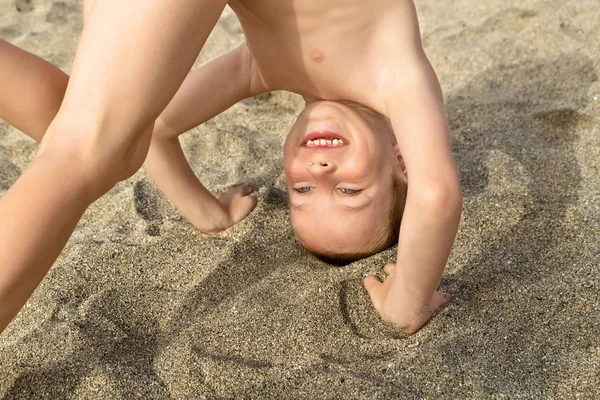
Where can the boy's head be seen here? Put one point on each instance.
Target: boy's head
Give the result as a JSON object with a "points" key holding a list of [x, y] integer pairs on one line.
{"points": [[346, 181]]}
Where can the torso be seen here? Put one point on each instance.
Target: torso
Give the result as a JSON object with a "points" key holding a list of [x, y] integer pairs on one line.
{"points": [[327, 49]]}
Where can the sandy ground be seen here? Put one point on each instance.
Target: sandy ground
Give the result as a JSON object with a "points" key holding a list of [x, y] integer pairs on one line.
{"points": [[140, 305]]}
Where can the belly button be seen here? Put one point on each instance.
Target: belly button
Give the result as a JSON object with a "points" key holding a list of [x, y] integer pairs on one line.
{"points": [[318, 56]]}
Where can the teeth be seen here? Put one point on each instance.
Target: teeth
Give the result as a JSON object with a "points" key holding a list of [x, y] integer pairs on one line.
{"points": [[324, 142]]}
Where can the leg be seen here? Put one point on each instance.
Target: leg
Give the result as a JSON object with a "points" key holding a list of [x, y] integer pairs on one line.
{"points": [[131, 59], [31, 90]]}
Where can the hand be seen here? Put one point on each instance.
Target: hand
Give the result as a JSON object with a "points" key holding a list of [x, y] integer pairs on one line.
{"points": [[238, 203], [408, 320]]}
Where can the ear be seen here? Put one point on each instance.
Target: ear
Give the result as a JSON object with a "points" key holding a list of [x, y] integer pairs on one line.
{"points": [[400, 166]]}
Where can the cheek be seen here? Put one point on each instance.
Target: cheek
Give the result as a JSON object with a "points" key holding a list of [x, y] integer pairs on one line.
{"points": [[360, 166], [288, 153], [294, 218], [295, 169], [299, 223], [375, 162], [308, 230]]}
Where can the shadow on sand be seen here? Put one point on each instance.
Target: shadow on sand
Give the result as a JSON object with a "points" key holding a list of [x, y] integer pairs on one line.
{"points": [[527, 112]]}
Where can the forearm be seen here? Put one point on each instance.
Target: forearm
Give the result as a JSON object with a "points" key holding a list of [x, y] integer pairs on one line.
{"points": [[428, 230], [31, 90], [434, 199]]}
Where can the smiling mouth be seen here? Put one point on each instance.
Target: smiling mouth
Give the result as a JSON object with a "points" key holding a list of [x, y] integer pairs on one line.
{"points": [[317, 140]]}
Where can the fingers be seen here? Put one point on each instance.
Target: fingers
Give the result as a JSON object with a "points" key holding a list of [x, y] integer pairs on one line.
{"points": [[376, 291], [372, 282]]}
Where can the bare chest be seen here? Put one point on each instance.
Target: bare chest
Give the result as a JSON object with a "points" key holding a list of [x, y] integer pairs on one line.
{"points": [[318, 49]]}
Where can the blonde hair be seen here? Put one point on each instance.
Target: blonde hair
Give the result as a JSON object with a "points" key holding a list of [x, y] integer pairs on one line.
{"points": [[383, 238]]}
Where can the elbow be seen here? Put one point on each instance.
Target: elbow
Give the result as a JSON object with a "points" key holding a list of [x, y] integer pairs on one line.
{"points": [[442, 199]]}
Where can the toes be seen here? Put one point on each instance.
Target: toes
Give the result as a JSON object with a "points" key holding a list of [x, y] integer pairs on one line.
{"points": [[247, 189], [249, 202], [253, 201]]}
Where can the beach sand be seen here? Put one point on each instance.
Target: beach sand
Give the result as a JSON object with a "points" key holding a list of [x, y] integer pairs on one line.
{"points": [[140, 305]]}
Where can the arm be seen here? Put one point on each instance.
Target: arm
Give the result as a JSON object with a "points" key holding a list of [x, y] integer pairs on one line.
{"points": [[206, 92], [415, 105]]}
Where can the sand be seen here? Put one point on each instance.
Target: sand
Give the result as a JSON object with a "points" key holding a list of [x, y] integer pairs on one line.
{"points": [[140, 305]]}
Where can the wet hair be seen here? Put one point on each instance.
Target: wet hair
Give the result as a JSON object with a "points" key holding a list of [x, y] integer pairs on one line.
{"points": [[382, 239]]}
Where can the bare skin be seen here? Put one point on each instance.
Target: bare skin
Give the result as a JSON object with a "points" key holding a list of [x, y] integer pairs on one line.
{"points": [[340, 58], [33, 90], [101, 132]]}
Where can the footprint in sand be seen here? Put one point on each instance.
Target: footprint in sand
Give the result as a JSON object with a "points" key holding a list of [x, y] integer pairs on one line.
{"points": [[24, 6], [146, 200], [9, 33], [61, 11]]}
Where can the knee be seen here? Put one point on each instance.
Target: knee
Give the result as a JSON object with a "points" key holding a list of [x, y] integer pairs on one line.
{"points": [[102, 158]]}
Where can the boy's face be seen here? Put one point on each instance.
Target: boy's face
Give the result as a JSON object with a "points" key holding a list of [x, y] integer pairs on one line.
{"points": [[339, 162]]}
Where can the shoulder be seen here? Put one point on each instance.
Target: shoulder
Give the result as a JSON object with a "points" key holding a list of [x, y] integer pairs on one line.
{"points": [[396, 60]]}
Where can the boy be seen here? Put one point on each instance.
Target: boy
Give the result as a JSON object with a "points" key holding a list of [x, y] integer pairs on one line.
{"points": [[353, 63]]}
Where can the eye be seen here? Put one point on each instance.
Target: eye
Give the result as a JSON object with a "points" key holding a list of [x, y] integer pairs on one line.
{"points": [[349, 191], [303, 189]]}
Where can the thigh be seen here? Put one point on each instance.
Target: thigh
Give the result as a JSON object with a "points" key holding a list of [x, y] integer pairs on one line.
{"points": [[130, 61], [31, 90]]}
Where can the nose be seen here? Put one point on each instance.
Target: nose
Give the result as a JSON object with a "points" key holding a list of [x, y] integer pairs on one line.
{"points": [[320, 168]]}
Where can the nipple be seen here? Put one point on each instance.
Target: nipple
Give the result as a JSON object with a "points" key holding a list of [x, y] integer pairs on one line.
{"points": [[317, 56]]}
